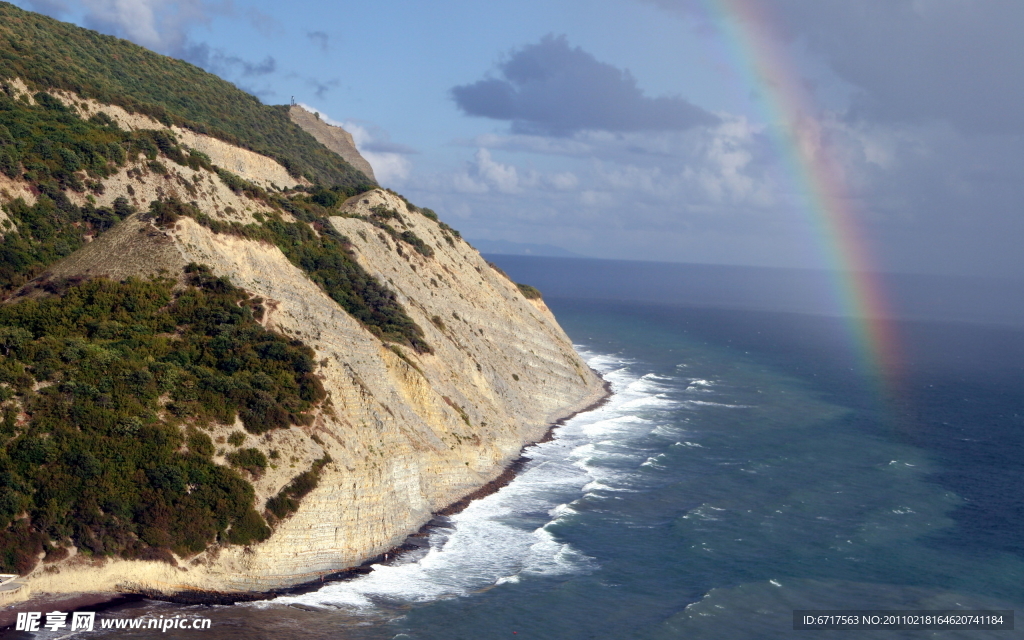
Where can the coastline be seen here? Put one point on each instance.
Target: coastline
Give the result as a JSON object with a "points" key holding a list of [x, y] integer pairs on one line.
{"points": [[100, 601]]}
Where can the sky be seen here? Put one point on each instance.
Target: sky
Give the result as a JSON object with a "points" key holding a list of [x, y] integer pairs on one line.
{"points": [[768, 133]]}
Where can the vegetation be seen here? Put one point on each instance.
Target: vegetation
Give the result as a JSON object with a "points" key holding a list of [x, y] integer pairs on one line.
{"points": [[96, 382], [446, 231], [50, 54], [107, 389], [313, 245], [55, 150], [379, 214], [252, 460], [529, 292], [51, 146], [286, 502]]}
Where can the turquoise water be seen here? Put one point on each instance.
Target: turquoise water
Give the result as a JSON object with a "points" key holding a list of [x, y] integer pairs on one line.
{"points": [[743, 468]]}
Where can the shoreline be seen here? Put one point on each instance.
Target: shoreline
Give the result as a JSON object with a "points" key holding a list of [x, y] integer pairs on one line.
{"points": [[99, 601]]}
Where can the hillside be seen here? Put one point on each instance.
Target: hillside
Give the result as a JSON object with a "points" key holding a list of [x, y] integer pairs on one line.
{"points": [[334, 138], [218, 376], [50, 55]]}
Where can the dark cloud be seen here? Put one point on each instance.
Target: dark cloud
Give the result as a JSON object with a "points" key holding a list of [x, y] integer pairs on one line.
{"points": [[268, 65], [957, 61], [217, 62], [321, 88], [551, 88], [321, 39]]}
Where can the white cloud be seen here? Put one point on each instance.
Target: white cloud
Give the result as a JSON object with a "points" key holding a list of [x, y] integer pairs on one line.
{"points": [[593, 198], [389, 167], [162, 25], [503, 177], [564, 181], [484, 174]]}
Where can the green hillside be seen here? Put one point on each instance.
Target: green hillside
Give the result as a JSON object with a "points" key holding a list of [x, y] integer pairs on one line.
{"points": [[114, 378], [49, 54], [109, 391]]}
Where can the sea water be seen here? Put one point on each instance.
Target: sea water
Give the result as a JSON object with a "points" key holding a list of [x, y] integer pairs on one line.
{"points": [[746, 465]]}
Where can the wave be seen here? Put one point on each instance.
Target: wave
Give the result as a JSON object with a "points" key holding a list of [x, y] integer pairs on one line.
{"points": [[496, 540], [704, 403], [499, 539]]}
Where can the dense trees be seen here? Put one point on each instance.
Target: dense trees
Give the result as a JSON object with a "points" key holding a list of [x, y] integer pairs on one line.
{"points": [[98, 385]]}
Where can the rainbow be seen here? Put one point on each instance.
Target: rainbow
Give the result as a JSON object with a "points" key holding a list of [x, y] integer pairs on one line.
{"points": [[790, 110]]}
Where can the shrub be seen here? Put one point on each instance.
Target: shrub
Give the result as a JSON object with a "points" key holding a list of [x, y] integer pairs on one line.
{"points": [[248, 529], [251, 460], [96, 462], [313, 245], [529, 292], [200, 444], [287, 500], [20, 547]]}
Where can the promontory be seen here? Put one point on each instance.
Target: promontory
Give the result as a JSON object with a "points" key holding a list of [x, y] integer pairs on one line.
{"points": [[229, 361]]}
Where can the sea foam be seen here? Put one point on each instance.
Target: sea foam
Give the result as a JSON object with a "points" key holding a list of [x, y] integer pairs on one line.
{"points": [[496, 540]]}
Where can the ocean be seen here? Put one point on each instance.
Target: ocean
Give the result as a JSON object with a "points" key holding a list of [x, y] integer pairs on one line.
{"points": [[747, 465]]}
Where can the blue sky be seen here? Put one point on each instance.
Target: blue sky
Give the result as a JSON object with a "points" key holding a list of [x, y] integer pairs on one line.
{"points": [[628, 129]]}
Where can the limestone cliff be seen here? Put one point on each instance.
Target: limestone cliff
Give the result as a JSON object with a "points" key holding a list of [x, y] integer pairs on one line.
{"points": [[407, 433], [334, 138]]}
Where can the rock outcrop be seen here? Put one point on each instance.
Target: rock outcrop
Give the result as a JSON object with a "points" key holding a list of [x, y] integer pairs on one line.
{"points": [[334, 138], [407, 433]]}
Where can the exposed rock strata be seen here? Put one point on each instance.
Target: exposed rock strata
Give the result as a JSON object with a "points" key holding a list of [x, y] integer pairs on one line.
{"points": [[408, 434], [334, 138]]}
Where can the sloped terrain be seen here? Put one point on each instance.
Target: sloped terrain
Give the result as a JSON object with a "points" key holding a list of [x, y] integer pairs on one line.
{"points": [[52, 55], [219, 375]]}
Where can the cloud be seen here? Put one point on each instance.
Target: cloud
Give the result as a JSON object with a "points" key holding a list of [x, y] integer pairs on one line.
{"points": [[218, 62], [321, 88], [485, 174], [164, 26], [321, 39], [267, 25], [388, 159], [707, 193], [910, 60], [161, 25], [550, 88], [248, 69]]}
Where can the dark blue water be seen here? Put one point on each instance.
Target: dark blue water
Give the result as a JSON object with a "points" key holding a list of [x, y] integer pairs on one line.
{"points": [[746, 466]]}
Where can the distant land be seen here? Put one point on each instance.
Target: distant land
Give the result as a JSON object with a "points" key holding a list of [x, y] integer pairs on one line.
{"points": [[910, 296], [506, 247]]}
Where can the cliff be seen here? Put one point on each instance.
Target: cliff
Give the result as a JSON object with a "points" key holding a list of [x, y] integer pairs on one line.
{"points": [[407, 423], [334, 138]]}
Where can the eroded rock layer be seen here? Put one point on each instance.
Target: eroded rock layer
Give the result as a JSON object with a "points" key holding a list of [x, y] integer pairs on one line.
{"points": [[406, 433]]}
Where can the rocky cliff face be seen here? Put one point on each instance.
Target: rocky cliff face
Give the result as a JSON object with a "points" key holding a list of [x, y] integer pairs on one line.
{"points": [[334, 138], [407, 433]]}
